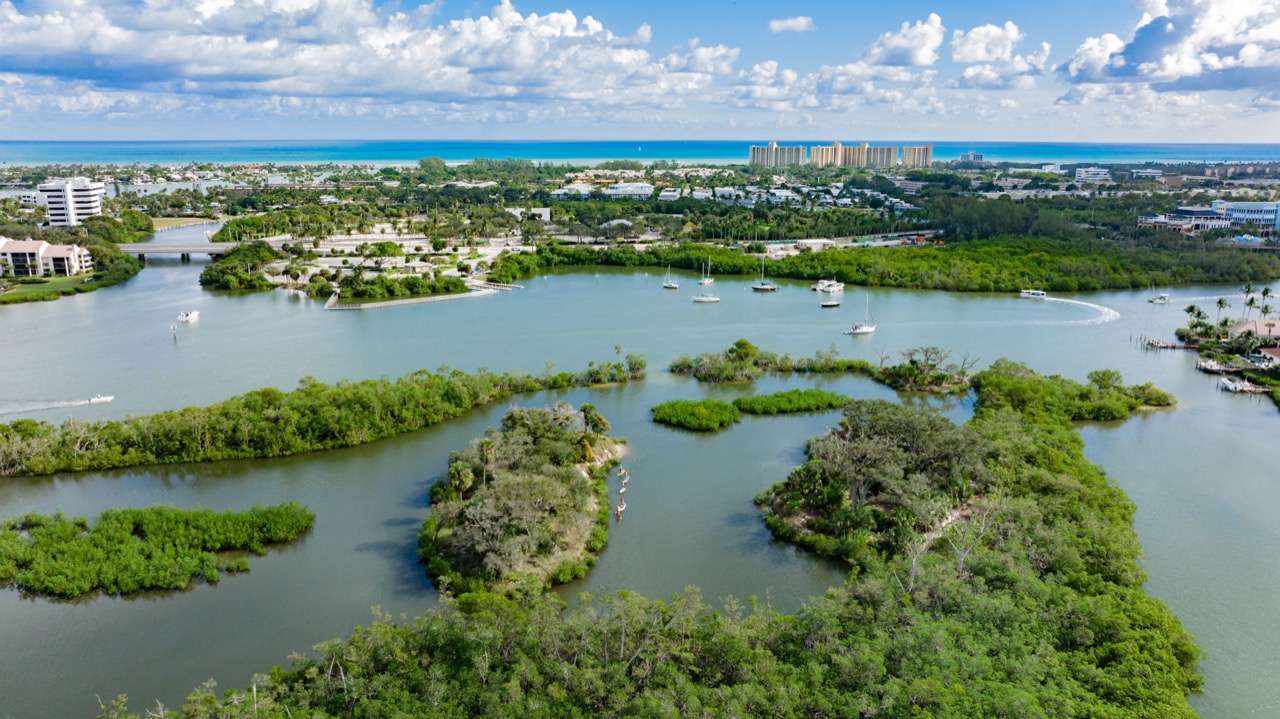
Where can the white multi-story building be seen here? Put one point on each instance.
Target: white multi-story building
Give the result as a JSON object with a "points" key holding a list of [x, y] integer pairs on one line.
{"points": [[37, 258], [917, 156], [773, 156], [1093, 175], [70, 201], [629, 191], [1263, 214]]}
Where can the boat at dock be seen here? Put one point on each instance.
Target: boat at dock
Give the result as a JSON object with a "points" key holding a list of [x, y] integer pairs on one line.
{"points": [[1215, 367], [1034, 295], [828, 286], [1241, 386]]}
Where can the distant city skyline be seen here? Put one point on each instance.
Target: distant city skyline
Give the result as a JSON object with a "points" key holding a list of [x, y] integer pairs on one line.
{"points": [[1142, 71]]}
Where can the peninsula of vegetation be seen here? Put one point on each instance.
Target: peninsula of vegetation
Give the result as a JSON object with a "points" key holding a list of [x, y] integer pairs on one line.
{"points": [[272, 423], [136, 550], [524, 507], [996, 574]]}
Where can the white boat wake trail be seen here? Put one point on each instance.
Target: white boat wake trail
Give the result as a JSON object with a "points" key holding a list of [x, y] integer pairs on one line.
{"points": [[1105, 314], [21, 406]]}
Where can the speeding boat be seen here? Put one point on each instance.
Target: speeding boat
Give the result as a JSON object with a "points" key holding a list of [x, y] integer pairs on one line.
{"points": [[189, 316], [100, 399]]}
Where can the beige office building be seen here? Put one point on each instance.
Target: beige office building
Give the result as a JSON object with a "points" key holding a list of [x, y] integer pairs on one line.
{"points": [[773, 156], [918, 156]]}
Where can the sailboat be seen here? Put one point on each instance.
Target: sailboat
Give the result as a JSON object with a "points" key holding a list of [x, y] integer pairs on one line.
{"points": [[866, 326], [706, 279], [763, 285], [668, 283]]}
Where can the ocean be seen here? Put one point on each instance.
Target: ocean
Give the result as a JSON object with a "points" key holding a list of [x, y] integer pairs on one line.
{"points": [[684, 151]]}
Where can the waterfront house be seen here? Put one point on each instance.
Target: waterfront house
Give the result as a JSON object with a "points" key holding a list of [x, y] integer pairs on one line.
{"points": [[1263, 327], [37, 258]]}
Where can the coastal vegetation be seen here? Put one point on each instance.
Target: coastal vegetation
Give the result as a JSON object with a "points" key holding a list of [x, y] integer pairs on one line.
{"points": [[135, 550], [790, 401], [272, 423], [1003, 263], [240, 268], [996, 574], [702, 415], [923, 369], [523, 507], [383, 287]]}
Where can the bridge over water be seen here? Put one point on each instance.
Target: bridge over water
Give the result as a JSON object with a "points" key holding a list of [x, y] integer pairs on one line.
{"points": [[142, 249]]}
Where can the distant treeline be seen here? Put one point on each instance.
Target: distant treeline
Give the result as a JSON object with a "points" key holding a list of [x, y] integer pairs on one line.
{"points": [[272, 423], [135, 550], [998, 264]]}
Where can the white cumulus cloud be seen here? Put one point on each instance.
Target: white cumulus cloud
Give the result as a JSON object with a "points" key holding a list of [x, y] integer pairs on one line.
{"points": [[911, 45], [800, 23], [986, 43]]}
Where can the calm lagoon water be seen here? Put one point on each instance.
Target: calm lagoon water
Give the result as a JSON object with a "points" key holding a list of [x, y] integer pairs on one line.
{"points": [[1202, 475]]}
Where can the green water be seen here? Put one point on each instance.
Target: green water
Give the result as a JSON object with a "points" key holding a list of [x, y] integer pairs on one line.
{"points": [[1202, 475]]}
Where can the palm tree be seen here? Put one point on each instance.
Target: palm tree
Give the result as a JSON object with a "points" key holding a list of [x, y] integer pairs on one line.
{"points": [[1191, 311], [1250, 304], [1247, 289], [1222, 305]]}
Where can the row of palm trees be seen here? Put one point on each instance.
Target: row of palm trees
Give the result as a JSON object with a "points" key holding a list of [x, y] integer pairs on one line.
{"points": [[1198, 318]]}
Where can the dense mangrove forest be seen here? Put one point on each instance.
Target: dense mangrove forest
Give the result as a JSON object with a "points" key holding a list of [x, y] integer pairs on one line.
{"points": [[995, 574], [698, 415], [997, 264], [524, 507], [272, 423], [135, 550]]}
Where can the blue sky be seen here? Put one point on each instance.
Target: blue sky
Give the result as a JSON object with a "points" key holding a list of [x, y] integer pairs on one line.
{"points": [[1090, 71]]}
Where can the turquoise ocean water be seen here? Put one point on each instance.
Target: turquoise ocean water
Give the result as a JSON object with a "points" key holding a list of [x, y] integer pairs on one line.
{"points": [[407, 151]]}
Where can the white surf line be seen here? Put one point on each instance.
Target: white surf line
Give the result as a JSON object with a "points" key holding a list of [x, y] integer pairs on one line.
{"points": [[1173, 300], [1105, 314]]}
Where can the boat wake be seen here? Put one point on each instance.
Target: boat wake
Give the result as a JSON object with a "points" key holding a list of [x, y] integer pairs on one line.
{"points": [[1105, 314], [23, 406], [1176, 300]]}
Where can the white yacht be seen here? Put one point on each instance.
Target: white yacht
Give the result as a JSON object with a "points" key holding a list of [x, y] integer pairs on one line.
{"points": [[1160, 300], [866, 326], [189, 316], [1034, 295]]}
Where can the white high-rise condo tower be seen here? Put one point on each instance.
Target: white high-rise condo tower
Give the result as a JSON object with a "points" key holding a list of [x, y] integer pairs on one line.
{"points": [[70, 201]]}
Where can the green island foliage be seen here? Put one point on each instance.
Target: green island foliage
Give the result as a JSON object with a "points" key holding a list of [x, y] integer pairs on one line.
{"points": [[1028, 603], [999, 264], [790, 401], [382, 287], [135, 550], [272, 423], [699, 415], [240, 268], [524, 507], [924, 369]]}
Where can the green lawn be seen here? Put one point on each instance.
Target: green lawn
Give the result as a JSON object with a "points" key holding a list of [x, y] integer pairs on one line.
{"points": [[54, 285]]}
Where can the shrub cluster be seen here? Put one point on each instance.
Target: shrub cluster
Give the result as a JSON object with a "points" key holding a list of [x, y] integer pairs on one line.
{"points": [[702, 415]]}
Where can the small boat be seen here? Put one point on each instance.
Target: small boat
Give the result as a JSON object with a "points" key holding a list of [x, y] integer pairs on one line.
{"points": [[623, 489], [828, 286], [1034, 295], [830, 303], [1160, 300], [101, 399], [668, 283], [1215, 367], [866, 326], [763, 285], [706, 297], [707, 279], [189, 316]]}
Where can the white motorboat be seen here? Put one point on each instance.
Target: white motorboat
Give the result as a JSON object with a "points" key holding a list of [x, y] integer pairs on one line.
{"points": [[101, 399], [189, 316], [1034, 295], [706, 297], [830, 303], [668, 283], [866, 326], [828, 286], [1160, 300]]}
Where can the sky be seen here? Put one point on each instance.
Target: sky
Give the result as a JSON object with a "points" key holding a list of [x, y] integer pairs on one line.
{"points": [[995, 70]]}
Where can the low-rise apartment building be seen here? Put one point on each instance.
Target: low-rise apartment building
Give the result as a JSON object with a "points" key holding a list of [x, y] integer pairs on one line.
{"points": [[37, 258]]}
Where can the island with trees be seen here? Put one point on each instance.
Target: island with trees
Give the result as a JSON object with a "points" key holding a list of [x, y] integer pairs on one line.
{"points": [[126, 551], [524, 507], [272, 423]]}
